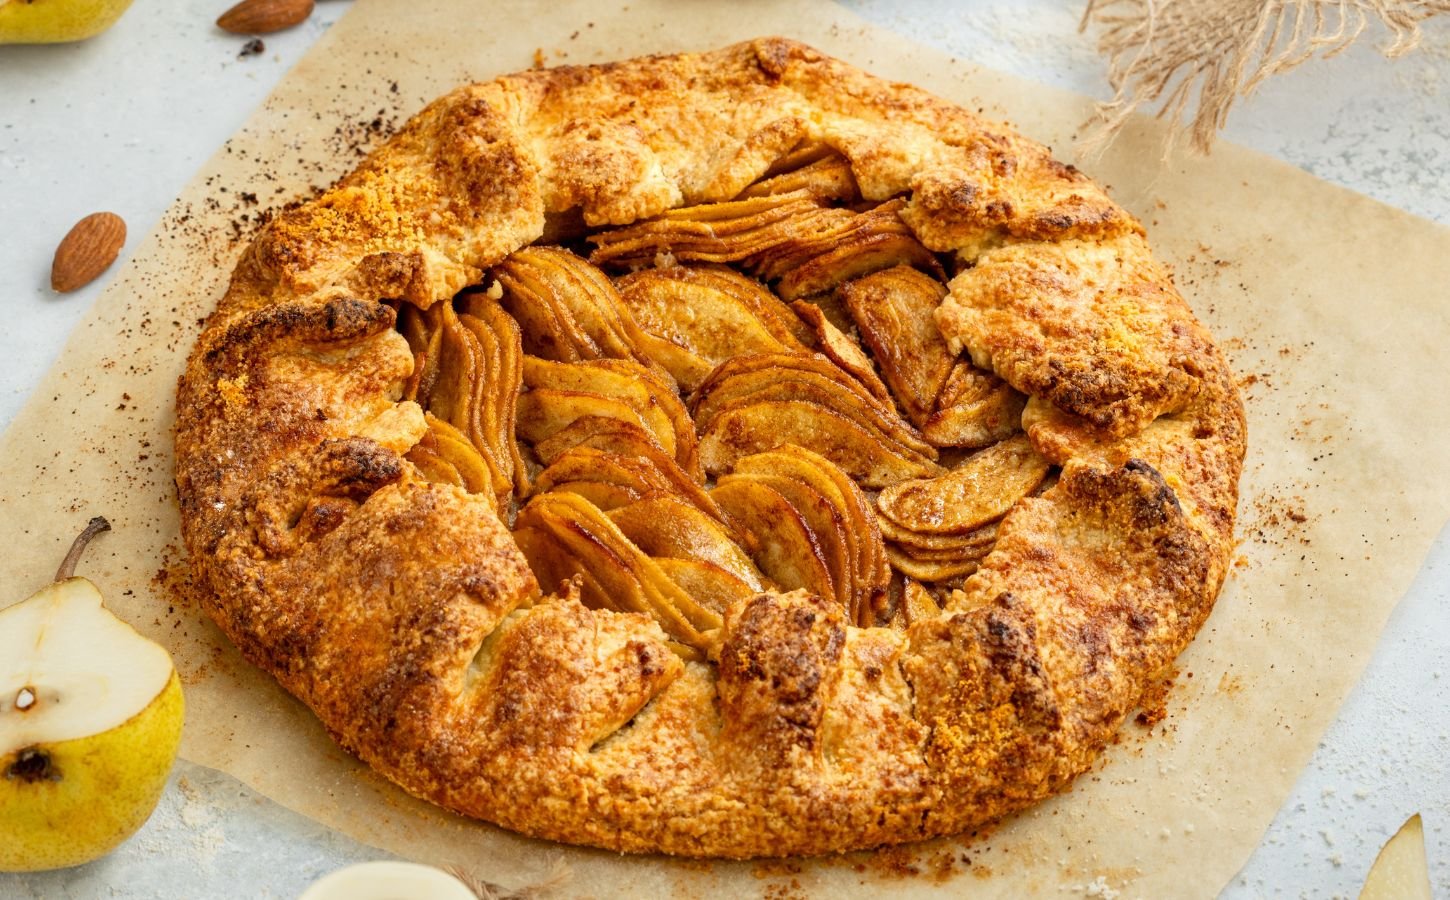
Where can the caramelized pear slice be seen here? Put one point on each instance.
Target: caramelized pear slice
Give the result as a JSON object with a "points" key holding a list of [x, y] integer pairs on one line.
{"points": [[708, 315], [870, 573], [813, 378], [756, 427], [716, 232], [842, 350], [571, 309], [977, 491], [544, 412], [916, 542], [432, 466], [827, 526], [974, 409], [657, 405], [775, 535], [506, 383], [619, 478], [893, 311], [917, 603], [826, 178], [931, 570], [710, 585], [670, 527], [840, 249], [425, 339], [562, 535], [453, 446], [626, 439]]}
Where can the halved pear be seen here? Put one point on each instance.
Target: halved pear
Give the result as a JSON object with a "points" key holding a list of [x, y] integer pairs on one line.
{"points": [[90, 722]]}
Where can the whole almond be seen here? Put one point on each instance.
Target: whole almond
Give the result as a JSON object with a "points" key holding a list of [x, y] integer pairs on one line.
{"points": [[264, 16], [86, 251]]}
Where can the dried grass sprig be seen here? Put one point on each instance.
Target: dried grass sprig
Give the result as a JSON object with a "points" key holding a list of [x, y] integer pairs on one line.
{"points": [[1202, 55]]}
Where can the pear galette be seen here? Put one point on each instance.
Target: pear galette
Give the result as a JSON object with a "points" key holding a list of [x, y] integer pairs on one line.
{"points": [[726, 454]]}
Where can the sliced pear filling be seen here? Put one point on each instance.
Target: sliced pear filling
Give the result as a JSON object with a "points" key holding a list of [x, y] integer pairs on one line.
{"points": [[793, 409]]}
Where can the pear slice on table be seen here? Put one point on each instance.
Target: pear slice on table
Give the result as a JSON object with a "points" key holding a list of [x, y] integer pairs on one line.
{"points": [[90, 721], [1401, 871]]}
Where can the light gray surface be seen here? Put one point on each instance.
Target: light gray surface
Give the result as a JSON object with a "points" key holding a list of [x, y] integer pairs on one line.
{"points": [[123, 121]]}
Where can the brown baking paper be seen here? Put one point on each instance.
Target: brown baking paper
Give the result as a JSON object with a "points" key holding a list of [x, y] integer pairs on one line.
{"points": [[1328, 303]]}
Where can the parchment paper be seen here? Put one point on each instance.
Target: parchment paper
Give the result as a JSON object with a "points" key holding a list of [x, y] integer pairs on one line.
{"points": [[1330, 305]]}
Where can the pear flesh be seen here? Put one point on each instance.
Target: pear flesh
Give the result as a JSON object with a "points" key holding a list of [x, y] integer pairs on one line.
{"points": [[90, 722], [1401, 871]]}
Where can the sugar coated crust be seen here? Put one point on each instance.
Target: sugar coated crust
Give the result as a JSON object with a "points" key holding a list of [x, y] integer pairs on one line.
{"points": [[402, 612]]}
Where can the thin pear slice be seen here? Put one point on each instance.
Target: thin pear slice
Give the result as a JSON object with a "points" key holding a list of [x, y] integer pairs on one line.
{"points": [[707, 315], [1401, 871], [544, 412], [582, 298], [827, 526], [505, 382], [710, 585], [597, 475], [715, 232], [833, 343], [670, 527], [977, 491], [425, 339], [454, 447], [433, 467], [871, 575], [893, 311], [815, 378], [842, 249], [626, 439], [828, 178], [658, 406], [917, 603], [931, 571], [756, 427], [563, 534], [776, 536], [915, 541], [974, 409]]}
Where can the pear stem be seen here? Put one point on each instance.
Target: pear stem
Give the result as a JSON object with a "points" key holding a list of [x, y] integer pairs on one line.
{"points": [[68, 565]]}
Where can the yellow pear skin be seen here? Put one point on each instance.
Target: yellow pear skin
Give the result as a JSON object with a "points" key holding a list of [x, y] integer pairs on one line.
{"points": [[106, 788], [56, 21]]}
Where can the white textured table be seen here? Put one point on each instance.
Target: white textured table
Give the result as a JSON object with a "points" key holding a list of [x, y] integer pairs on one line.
{"points": [[122, 122]]}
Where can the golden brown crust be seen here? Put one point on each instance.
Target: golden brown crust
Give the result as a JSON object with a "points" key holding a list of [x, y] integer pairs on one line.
{"points": [[403, 613]]}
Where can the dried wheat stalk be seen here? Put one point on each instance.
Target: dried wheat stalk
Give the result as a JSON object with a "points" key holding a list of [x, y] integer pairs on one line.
{"points": [[1172, 52]]}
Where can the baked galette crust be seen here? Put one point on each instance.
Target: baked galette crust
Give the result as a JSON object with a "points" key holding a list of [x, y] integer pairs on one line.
{"points": [[403, 613]]}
